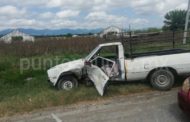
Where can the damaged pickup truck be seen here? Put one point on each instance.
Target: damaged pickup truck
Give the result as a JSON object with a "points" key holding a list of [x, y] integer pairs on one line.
{"points": [[159, 68]]}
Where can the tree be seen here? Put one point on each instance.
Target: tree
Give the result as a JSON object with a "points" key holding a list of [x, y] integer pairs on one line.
{"points": [[17, 38], [175, 20], [68, 35]]}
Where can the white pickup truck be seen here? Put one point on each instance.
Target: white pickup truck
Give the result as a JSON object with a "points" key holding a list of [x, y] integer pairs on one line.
{"points": [[159, 68]]}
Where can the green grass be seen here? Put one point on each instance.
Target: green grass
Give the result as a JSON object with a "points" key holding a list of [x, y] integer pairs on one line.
{"points": [[37, 94], [19, 95]]}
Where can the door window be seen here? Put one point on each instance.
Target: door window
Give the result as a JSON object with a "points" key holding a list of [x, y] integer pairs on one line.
{"points": [[107, 59]]}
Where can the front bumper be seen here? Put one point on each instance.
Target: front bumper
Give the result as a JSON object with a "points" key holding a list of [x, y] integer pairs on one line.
{"points": [[184, 102]]}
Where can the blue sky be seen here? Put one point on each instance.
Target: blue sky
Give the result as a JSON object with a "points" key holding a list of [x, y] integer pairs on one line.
{"points": [[89, 14]]}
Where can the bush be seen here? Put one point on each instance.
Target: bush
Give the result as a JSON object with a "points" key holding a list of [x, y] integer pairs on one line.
{"points": [[17, 38]]}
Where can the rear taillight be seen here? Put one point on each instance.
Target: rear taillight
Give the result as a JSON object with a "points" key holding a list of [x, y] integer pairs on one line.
{"points": [[189, 95], [186, 86]]}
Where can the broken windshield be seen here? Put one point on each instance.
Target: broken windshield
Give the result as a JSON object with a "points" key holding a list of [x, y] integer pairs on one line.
{"points": [[92, 53]]}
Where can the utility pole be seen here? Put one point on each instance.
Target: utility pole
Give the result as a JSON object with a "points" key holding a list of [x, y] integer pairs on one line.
{"points": [[186, 24], [129, 27]]}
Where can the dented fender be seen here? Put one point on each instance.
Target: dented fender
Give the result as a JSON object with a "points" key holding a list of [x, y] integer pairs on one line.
{"points": [[96, 75], [74, 67]]}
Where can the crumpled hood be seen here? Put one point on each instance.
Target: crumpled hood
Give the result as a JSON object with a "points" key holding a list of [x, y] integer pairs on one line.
{"points": [[72, 66]]}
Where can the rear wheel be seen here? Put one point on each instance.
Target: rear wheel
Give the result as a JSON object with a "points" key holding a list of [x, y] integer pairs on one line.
{"points": [[67, 83], [162, 79]]}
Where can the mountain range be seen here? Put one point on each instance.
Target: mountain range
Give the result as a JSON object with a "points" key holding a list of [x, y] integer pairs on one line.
{"points": [[49, 32]]}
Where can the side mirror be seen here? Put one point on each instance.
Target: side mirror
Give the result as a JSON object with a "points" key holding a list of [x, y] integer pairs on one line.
{"points": [[88, 63]]}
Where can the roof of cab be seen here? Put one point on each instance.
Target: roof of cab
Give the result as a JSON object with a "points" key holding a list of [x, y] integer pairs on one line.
{"points": [[110, 44]]}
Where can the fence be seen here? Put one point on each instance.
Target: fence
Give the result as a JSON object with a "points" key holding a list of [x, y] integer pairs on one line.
{"points": [[133, 43], [50, 45], [139, 43]]}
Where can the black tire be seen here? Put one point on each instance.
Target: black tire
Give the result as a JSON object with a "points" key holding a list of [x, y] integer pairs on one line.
{"points": [[67, 83], [162, 79]]}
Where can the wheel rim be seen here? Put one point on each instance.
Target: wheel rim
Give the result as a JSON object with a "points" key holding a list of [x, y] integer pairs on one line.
{"points": [[67, 85], [162, 80]]}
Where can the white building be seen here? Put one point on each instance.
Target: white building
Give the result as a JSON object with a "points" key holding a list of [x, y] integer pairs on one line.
{"points": [[16, 33], [111, 31], [74, 36]]}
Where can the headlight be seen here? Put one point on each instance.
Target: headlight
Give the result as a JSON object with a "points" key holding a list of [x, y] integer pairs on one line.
{"points": [[186, 85]]}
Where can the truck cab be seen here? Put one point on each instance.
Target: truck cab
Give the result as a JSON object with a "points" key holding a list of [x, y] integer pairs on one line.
{"points": [[106, 62], [110, 58]]}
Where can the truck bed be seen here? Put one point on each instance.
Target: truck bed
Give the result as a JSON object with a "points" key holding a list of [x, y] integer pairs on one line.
{"points": [[163, 52]]}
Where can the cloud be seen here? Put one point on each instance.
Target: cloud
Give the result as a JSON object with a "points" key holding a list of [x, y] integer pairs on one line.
{"points": [[139, 21], [101, 16], [54, 3], [60, 23], [100, 19], [70, 4], [17, 23], [11, 12], [24, 22], [24, 3], [46, 15], [159, 7], [67, 13], [85, 13], [64, 14], [140, 6]]}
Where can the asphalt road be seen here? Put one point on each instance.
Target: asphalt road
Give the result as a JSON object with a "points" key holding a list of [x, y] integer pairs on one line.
{"points": [[144, 107]]}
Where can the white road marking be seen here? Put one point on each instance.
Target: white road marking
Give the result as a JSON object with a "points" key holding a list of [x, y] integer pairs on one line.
{"points": [[56, 118]]}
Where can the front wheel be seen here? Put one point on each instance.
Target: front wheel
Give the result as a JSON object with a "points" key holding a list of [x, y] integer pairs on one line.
{"points": [[162, 79], [67, 83]]}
